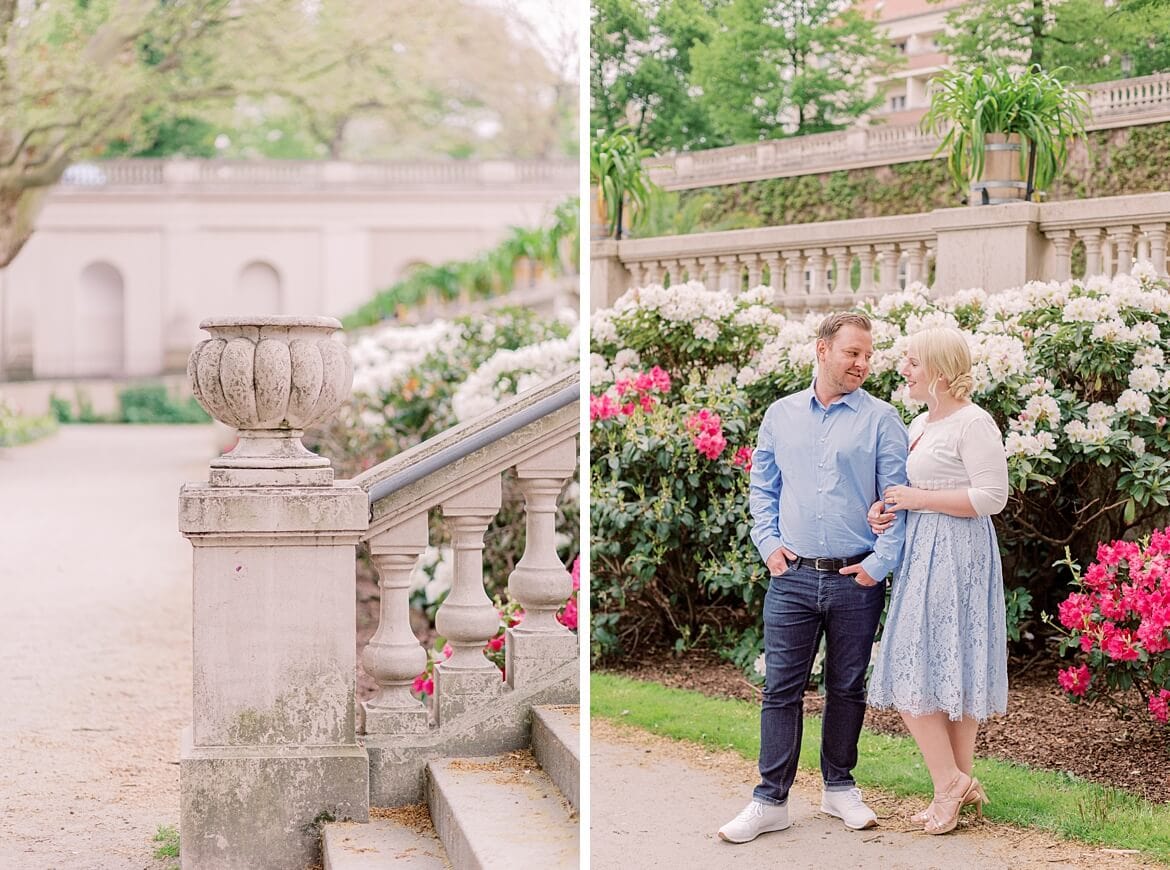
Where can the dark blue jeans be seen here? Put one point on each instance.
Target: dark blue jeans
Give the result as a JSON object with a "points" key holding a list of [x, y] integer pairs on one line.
{"points": [[801, 606]]}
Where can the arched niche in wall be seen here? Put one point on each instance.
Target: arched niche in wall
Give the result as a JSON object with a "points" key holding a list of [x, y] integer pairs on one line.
{"points": [[100, 336], [258, 290]]}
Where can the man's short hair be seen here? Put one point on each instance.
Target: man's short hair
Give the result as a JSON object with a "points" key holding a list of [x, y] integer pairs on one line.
{"points": [[832, 324]]}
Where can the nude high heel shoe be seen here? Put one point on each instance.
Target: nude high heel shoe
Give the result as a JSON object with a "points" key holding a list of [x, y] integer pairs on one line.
{"points": [[944, 814], [977, 796]]}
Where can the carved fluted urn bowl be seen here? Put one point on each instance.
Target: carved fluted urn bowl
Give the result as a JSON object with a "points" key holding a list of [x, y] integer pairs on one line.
{"points": [[270, 378]]}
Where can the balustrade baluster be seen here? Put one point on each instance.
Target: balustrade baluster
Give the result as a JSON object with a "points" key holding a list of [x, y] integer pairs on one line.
{"points": [[394, 657], [865, 258], [795, 294], [710, 272], [915, 262], [1092, 242], [468, 619], [775, 276], [729, 274], [1062, 243], [1157, 236], [842, 291], [540, 644], [754, 269], [1121, 240], [887, 267]]}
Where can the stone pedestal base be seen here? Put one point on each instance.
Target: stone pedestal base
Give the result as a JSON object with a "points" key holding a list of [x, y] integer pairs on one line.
{"points": [[459, 691], [261, 808], [531, 659]]}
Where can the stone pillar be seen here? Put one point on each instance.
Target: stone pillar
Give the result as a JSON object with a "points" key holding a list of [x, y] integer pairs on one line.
{"points": [[394, 657], [993, 247], [608, 277], [1157, 236], [272, 750], [689, 266], [467, 618], [540, 645]]}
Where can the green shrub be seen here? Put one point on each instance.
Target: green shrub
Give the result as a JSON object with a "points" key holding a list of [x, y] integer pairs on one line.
{"points": [[152, 403]]}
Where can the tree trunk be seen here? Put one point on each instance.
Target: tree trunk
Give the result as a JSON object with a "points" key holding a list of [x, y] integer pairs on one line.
{"points": [[18, 214]]}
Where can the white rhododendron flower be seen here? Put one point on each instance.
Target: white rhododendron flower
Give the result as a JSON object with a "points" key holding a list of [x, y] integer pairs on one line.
{"points": [[1145, 378], [1133, 402], [706, 330], [1099, 412], [1138, 445], [1149, 355]]}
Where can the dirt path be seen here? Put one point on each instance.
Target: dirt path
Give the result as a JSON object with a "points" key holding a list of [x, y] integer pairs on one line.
{"points": [[658, 803], [95, 643]]}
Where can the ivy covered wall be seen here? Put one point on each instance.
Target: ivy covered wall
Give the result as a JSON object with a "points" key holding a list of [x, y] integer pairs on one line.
{"points": [[1117, 162]]}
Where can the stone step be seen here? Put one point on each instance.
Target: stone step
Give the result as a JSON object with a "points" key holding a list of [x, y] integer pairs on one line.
{"points": [[556, 743], [502, 812], [403, 837]]}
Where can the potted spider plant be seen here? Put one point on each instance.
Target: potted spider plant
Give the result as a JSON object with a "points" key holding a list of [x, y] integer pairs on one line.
{"points": [[615, 167], [1006, 133]]}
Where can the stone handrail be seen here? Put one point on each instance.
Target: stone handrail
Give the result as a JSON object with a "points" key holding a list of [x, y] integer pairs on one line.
{"points": [[838, 262], [1121, 103], [459, 471], [257, 173]]}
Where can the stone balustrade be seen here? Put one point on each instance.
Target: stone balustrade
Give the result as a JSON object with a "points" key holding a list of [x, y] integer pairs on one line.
{"points": [[276, 746], [140, 172], [474, 713], [832, 264], [1121, 103]]}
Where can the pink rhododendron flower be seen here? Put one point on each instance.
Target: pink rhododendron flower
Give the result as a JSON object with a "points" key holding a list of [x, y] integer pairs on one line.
{"points": [[575, 573], [419, 682], [1075, 681], [568, 616], [602, 407], [1076, 610], [447, 651], [1159, 705], [743, 457], [496, 643]]}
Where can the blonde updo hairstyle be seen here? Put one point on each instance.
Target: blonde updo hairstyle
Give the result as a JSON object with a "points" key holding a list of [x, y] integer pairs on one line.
{"points": [[944, 351]]}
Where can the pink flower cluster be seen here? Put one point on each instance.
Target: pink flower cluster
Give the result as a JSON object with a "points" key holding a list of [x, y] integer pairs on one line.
{"points": [[627, 395], [568, 614], [511, 614], [743, 458], [707, 431], [1122, 615]]}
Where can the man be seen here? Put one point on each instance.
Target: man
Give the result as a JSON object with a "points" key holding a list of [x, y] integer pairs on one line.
{"points": [[824, 455]]}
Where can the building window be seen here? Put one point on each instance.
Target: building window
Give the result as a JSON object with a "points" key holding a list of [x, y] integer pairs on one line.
{"points": [[898, 103], [900, 47]]}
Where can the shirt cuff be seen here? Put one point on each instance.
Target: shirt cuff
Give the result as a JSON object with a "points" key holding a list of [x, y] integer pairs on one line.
{"points": [[767, 547], [876, 567]]}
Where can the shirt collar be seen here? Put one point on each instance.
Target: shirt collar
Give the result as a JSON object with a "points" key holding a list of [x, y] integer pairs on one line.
{"points": [[850, 400]]}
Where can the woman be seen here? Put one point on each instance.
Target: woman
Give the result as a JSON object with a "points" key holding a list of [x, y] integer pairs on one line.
{"points": [[942, 662]]}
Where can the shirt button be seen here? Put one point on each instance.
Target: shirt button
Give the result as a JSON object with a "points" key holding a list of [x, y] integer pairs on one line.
{"points": [[818, 516]]}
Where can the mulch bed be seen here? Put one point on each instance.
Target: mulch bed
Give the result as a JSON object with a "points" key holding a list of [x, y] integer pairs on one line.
{"points": [[1041, 728]]}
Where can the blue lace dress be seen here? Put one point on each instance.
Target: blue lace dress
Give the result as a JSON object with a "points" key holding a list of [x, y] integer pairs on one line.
{"points": [[944, 646]]}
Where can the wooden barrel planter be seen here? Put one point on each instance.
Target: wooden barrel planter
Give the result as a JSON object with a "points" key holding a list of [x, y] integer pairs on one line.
{"points": [[1002, 179]]}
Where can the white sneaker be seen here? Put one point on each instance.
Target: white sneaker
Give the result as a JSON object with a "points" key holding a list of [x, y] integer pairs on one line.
{"points": [[848, 806], [757, 818]]}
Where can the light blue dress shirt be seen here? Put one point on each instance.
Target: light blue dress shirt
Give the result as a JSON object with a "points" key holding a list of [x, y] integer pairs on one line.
{"points": [[816, 471]]}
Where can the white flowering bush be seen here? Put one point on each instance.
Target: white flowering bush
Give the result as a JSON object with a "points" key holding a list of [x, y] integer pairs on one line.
{"points": [[1075, 373], [413, 382]]}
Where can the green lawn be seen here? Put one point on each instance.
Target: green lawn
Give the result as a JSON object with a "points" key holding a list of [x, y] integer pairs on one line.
{"points": [[1060, 803]]}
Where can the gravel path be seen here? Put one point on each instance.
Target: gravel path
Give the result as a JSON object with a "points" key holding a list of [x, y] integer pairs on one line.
{"points": [[664, 800], [95, 643]]}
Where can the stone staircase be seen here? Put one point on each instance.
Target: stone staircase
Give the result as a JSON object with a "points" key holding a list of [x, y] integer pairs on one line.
{"points": [[518, 809]]}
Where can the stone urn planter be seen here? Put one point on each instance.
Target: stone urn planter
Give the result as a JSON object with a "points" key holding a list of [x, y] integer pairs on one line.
{"points": [[270, 378]]}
